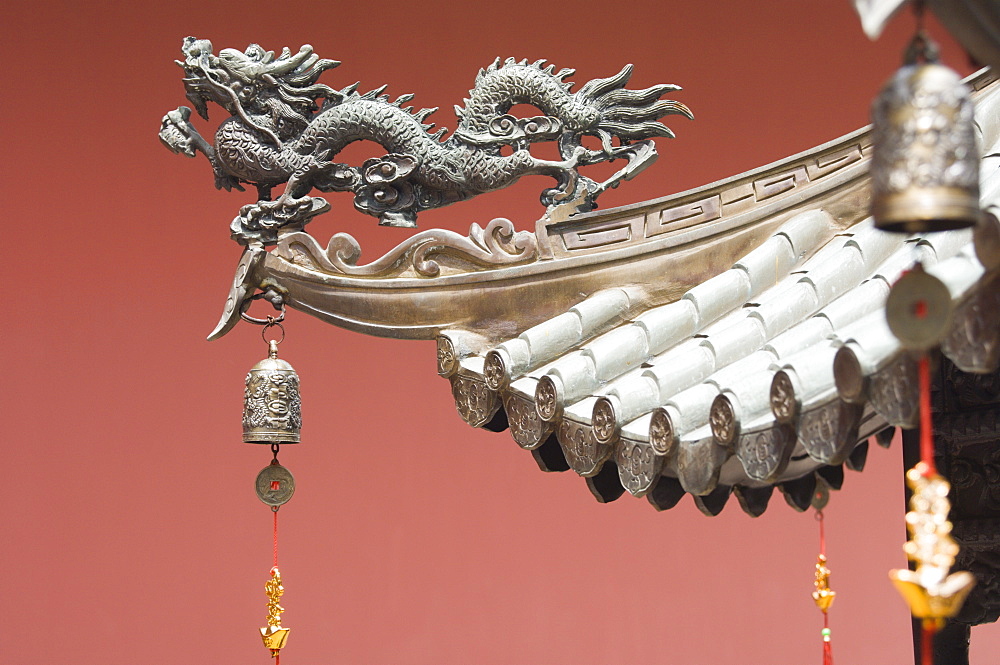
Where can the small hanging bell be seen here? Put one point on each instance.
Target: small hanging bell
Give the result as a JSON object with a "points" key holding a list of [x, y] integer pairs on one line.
{"points": [[925, 163], [271, 406]]}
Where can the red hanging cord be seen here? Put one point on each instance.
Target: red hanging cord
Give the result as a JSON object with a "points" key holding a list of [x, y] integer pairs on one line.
{"points": [[929, 469], [275, 510], [822, 532], [927, 643], [926, 429], [827, 646]]}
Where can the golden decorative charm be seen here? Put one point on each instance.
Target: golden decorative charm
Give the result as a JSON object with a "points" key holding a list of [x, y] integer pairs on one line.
{"points": [[823, 596], [274, 636], [932, 594]]}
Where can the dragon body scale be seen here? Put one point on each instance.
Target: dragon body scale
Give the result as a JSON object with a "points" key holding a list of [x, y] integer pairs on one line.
{"points": [[281, 132]]}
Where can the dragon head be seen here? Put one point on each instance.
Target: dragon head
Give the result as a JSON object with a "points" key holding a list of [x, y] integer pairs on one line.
{"points": [[254, 82]]}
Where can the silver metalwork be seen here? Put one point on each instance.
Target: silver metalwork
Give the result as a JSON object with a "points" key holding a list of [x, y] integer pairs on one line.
{"points": [[894, 392], [572, 327], [829, 432], [724, 421], [271, 404], [286, 127], [662, 435], [604, 421], [639, 466], [447, 362], [476, 403], [925, 164], [973, 343], [529, 431], [764, 453], [584, 453], [784, 402], [547, 398]]}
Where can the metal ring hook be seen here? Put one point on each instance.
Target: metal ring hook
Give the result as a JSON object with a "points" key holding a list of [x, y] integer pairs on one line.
{"points": [[269, 321], [273, 322]]}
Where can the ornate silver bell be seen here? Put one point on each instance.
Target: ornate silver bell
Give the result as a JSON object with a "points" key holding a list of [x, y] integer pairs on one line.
{"points": [[271, 406], [925, 163]]}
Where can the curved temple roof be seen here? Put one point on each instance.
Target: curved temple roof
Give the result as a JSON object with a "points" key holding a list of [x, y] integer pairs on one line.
{"points": [[771, 373], [726, 340]]}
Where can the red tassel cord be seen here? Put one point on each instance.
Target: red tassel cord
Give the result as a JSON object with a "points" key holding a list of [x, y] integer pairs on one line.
{"points": [[927, 643], [275, 565], [277, 657], [926, 427], [827, 647], [823, 596]]}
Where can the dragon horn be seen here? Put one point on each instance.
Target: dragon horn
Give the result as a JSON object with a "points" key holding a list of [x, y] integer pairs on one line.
{"points": [[283, 66], [597, 87], [652, 111]]}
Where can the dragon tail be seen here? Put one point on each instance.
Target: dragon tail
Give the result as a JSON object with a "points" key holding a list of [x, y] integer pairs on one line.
{"points": [[631, 115]]}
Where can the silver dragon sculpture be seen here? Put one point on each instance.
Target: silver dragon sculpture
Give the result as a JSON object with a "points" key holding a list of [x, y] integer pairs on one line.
{"points": [[285, 127]]}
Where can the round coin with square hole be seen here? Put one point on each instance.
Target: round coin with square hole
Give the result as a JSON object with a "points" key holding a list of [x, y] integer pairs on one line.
{"points": [[275, 485], [918, 310]]}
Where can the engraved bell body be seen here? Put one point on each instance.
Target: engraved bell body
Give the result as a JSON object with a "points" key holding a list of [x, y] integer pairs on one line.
{"points": [[925, 163], [271, 406]]}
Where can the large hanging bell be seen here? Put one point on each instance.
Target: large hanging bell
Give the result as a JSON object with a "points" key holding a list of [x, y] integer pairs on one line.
{"points": [[271, 408], [925, 163]]}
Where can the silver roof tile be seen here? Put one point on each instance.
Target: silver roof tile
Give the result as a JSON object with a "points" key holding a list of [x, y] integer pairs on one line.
{"points": [[742, 370], [691, 407], [946, 245], [871, 332], [834, 276], [959, 273], [575, 376], [638, 429], [602, 307], [811, 373], [806, 230], [863, 299], [636, 395], [550, 339], [824, 252], [735, 342], [768, 264], [874, 244], [617, 351], [811, 331], [680, 368], [900, 261], [728, 321], [719, 295], [669, 324], [580, 411], [525, 386], [779, 314]]}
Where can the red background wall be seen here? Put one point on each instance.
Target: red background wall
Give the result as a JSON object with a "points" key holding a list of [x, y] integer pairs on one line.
{"points": [[131, 532]]}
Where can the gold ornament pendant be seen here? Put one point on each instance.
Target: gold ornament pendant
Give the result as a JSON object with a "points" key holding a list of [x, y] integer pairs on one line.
{"points": [[932, 594], [274, 636]]}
